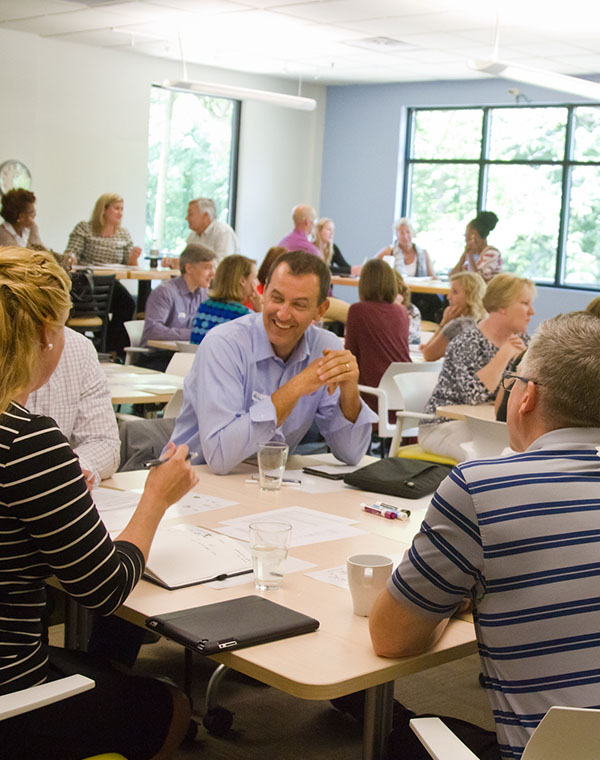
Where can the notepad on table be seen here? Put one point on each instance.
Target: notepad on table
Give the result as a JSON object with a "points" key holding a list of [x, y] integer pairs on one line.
{"points": [[185, 555]]}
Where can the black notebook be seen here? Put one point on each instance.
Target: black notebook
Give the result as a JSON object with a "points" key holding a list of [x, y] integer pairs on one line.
{"points": [[233, 624]]}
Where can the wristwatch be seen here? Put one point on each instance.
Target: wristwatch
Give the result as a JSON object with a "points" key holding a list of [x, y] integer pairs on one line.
{"points": [[13, 174]]}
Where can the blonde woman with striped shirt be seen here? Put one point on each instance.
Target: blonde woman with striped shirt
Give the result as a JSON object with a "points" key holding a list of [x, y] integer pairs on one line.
{"points": [[49, 526]]}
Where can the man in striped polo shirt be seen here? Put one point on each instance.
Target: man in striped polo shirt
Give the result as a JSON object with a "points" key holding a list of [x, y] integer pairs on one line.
{"points": [[519, 537]]}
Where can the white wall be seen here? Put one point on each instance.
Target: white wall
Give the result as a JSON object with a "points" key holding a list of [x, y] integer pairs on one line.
{"points": [[77, 116]]}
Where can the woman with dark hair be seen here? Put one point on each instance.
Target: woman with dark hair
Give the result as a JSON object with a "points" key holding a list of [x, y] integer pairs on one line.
{"points": [[478, 256], [18, 211], [377, 327]]}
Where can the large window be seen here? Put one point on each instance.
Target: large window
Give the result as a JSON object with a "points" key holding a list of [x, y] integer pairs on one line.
{"points": [[536, 167], [192, 153]]}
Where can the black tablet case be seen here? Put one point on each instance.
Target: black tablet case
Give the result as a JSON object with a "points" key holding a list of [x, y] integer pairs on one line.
{"points": [[232, 624]]}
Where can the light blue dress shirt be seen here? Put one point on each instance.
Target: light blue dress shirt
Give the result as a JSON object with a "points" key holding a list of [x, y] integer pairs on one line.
{"points": [[227, 409]]}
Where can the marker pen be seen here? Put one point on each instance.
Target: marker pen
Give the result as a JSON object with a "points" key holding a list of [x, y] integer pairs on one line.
{"points": [[403, 514], [375, 509]]}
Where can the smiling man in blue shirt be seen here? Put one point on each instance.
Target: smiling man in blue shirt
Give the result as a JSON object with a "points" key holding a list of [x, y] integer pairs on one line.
{"points": [[267, 376]]}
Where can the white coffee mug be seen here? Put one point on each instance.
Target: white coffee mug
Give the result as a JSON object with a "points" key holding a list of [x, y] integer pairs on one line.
{"points": [[367, 576]]}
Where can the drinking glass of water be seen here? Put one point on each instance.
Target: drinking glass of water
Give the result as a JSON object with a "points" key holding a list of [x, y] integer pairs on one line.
{"points": [[269, 544], [272, 457]]}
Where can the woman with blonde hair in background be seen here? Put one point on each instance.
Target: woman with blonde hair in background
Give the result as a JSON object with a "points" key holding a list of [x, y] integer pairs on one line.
{"points": [[235, 283], [49, 526], [332, 256], [465, 309], [102, 241], [476, 361]]}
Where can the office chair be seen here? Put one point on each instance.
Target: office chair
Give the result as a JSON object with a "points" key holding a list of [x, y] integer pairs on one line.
{"points": [[97, 324], [564, 732], [489, 437], [36, 697], [390, 396], [135, 328]]}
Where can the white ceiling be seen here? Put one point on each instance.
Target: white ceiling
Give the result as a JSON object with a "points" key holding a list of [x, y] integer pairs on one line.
{"points": [[322, 39]]}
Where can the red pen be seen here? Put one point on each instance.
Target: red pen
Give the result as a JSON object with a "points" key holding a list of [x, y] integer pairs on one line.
{"points": [[374, 509]]}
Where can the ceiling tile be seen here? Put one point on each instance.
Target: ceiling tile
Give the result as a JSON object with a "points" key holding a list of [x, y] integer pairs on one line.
{"points": [[59, 23], [13, 9]]}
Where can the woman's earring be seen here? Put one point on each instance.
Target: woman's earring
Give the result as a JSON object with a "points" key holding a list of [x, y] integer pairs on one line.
{"points": [[50, 346]]}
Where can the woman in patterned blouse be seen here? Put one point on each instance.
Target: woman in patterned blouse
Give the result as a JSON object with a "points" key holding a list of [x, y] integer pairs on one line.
{"points": [[231, 295], [478, 256], [49, 526], [102, 242], [476, 361]]}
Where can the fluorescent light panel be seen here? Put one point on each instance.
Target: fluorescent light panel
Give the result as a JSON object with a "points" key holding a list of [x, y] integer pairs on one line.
{"points": [[538, 77], [241, 93]]}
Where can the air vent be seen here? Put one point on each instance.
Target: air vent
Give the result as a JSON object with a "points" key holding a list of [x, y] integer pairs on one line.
{"points": [[381, 44]]}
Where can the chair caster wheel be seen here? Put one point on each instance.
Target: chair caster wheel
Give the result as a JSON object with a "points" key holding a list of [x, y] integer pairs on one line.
{"points": [[482, 681], [218, 721]]}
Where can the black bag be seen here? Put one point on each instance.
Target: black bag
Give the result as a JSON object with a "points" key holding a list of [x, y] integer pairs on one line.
{"points": [[394, 476], [82, 293]]}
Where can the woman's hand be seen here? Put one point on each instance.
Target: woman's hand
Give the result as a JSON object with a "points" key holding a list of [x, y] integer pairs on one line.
{"points": [[134, 255], [168, 482], [450, 313], [512, 347]]}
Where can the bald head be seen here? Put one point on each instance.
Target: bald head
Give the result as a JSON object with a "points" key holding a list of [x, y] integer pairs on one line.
{"points": [[304, 218]]}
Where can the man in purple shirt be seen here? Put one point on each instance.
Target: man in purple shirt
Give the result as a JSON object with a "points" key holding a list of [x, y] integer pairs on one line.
{"points": [[172, 306], [304, 220]]}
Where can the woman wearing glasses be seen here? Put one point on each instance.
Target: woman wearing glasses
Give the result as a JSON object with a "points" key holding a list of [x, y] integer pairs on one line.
{"points": [[477, 359]]}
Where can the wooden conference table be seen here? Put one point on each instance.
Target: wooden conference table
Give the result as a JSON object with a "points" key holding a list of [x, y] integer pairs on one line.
{"points": [[416, 284], [129, 384], [338, 658], [141, 274]]}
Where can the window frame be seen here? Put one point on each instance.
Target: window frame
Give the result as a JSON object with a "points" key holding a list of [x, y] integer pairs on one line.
{"points": [[567, 163]]}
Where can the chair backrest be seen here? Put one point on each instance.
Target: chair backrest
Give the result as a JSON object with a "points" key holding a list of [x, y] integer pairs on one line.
{"points": [[489, 437], [180, 364], [135, 328], [394, 388], [565, 732], [415, 385], [103, 289]]}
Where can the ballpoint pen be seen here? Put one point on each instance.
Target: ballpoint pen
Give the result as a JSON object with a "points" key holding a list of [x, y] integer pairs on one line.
{"points": [[157, 462]]}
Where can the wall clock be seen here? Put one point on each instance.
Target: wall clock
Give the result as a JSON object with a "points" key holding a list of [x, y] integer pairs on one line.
{"points": [[13, 174]]}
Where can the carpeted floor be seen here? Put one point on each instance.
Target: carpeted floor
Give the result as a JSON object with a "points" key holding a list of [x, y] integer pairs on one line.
{"points": [[270, 725]]}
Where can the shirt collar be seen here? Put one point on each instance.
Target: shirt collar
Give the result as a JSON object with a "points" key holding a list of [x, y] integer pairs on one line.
{"points": [[571, 437], [23, 239], [182, 286]]}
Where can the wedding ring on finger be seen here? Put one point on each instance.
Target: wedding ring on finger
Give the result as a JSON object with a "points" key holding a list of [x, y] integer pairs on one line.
{"points": [[347, 367]]}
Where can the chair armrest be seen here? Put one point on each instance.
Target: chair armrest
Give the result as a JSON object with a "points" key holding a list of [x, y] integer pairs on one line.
{"points": [[373, 391], [45, 694], [439, 740], [405, 414], [138, 350]]}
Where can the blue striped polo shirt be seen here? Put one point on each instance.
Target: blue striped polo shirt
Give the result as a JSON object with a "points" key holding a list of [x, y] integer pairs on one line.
{"points": [[520, 536]]}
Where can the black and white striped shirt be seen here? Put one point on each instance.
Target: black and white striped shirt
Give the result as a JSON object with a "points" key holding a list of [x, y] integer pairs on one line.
{"points": [[49, 526]]}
